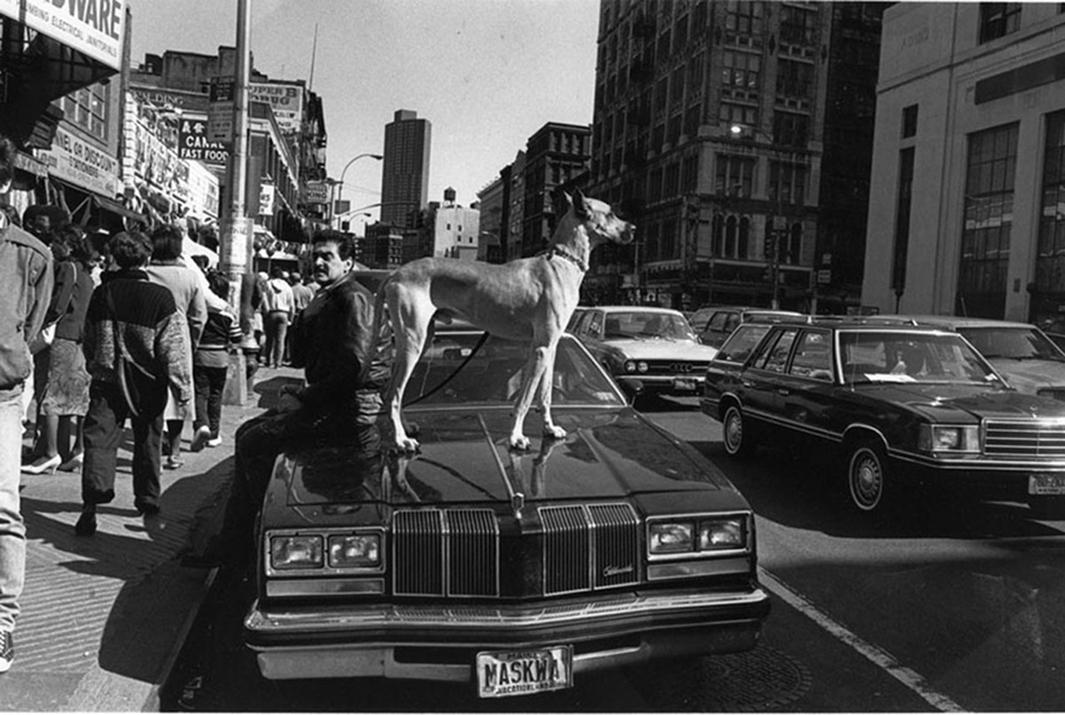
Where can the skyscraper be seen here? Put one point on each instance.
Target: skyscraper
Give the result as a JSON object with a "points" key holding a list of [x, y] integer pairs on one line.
{"points": [[405, 169]]}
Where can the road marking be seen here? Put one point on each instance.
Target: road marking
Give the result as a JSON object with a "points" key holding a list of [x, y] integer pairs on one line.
{"points": [[879, 657]]}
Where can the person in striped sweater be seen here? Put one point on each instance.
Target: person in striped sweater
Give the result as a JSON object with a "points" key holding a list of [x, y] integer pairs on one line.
{"points": [[210, 363], [139, 321]]}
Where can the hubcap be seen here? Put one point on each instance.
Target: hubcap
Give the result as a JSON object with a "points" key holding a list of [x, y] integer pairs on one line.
{"points": [[734, 431], [867, 480]]}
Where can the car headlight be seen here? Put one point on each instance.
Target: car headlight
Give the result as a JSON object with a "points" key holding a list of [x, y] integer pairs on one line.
{"points": [[354, 550], [630, 366], [720, 534], [671, 537], [641, 366], [296, 552], [949, 438]]}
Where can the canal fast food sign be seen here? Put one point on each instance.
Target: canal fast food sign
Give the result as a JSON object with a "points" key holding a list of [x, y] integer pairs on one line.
{"points": [[195, 144], [95, 28]]}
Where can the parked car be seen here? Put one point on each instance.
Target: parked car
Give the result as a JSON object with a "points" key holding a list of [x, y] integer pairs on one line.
{"points": [[714, 324], [647, 350], [899, 405], [575, 318], [516, 572], [1022, 353]]}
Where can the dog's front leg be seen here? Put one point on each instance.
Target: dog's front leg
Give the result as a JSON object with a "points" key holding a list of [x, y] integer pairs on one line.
{"points": [[534, 373], [546, 387]]}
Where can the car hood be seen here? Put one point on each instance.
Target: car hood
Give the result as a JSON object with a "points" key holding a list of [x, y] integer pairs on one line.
{"points": [[464, 459], [655, 349], [947, 402], [1031, 375]]}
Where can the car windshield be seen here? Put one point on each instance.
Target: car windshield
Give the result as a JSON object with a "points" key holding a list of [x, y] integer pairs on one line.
{"points": [[493, 374], [647, 325], [1014, 343], [900, 356]]}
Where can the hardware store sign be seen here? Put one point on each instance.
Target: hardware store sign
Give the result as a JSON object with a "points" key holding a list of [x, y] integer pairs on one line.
{"points": [[79, 162], [93, 27]]}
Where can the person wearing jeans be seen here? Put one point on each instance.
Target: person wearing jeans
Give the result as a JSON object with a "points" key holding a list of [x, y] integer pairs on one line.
{"points": [[27, 277], [210, 364]]}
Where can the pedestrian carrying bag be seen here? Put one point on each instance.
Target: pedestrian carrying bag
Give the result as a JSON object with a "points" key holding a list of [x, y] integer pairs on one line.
{"points": [[145, 394]]}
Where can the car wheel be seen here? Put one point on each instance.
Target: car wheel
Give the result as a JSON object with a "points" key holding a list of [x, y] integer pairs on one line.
{"points": [[867, 477], [736, 433], [1052, 507]]}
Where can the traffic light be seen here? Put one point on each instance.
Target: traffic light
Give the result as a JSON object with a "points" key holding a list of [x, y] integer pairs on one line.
{"points": [[770, 243]]}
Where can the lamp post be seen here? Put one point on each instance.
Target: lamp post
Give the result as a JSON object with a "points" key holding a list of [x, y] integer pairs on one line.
{"points": [[773, 236], [340, 184]]}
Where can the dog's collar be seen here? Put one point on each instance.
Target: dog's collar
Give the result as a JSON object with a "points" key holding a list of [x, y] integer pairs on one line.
{"points": [[558, 251]]}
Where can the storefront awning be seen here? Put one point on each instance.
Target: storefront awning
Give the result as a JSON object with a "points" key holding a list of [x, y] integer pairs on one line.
{"points": [[116, 207]]}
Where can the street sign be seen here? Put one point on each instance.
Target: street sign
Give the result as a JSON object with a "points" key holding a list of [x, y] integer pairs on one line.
{"points": [[193, 143], [341, 206], [222, 96], [824, 276]]}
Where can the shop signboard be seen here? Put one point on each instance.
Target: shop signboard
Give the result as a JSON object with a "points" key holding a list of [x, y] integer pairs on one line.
{"points": [[170, 98], [203, 191], [95, 28], [267, 192], [316, 192], [286, 99], [222, 97], [79, 162], [194, 145]]}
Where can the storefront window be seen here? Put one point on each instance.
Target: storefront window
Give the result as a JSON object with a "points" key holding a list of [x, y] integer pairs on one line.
{"points": [[985, 241], [1050, 253]]}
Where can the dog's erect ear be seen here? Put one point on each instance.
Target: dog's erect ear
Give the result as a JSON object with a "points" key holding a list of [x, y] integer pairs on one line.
{"points": [[580, 208]]}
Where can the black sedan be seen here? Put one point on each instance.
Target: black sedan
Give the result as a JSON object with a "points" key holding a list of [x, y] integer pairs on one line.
{"points": [[898, 405], [513, 571]]}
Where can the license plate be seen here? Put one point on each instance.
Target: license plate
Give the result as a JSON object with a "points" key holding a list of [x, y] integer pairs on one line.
{"points": [[1046, 484], [684, 383], [520, 672]]}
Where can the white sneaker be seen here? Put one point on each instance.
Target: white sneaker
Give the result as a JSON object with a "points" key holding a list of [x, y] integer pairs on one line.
{"points": [[202, 437], [214, 441], [7, 651]]}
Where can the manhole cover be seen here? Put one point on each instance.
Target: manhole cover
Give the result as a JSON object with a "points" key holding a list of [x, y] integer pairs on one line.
{"points": [[761, 679]]}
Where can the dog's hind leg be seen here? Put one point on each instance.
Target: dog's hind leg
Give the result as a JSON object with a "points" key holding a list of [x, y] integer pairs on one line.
{"points": [[544, 395], [410, 327]]}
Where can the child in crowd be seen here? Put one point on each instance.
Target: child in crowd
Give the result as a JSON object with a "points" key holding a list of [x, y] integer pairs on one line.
{"points": [[209, 365]]}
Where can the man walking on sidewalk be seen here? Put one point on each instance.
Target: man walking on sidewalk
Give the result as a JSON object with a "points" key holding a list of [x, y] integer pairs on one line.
{"points": [[26, 276]]}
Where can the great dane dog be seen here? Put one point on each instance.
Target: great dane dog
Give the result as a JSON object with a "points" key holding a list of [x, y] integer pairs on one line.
{"points": [[528, 299]]}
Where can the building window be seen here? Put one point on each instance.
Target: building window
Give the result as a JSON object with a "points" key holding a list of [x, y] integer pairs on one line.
{"points": [[790, 129], [1050, 255], [985, 240], [669, 241], [691, 120], [735, 175], [909, 121], [792, 251], [729, 236], [87, 107], [998, 19], [730, 113], [741, 70], [902, 221], [797, 25], [795, 79], [695, 73], [787, 183], [744, 18]]}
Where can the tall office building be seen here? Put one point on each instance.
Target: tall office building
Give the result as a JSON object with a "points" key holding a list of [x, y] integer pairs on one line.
{"points": [[405, 169]]}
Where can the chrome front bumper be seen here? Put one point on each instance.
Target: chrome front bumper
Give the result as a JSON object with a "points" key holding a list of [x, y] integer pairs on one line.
{"points": [[431, 643]]}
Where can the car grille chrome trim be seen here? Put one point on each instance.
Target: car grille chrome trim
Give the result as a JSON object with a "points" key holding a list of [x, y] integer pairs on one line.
{"points": [[452, 552], [675, 367], [1024, 438], [587, 547]]}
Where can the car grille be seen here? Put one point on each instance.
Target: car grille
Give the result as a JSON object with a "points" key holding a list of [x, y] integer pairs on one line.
{"points": [[589, 547], [453, 552], [677, 367], [1024, 438]]}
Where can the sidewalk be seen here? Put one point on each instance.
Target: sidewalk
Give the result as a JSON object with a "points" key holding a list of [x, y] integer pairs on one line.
{"points": [[104, 617]]}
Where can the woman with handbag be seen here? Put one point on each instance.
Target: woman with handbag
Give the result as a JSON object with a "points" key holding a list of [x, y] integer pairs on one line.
{"points": [[136, 347], [63, 398]]}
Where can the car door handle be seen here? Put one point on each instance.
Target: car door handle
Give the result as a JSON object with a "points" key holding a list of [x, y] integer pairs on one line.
{"points": [[783, 391], [746, 383]]}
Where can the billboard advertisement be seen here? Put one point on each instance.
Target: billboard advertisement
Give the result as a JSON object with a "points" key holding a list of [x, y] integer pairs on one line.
{"points": [[94, 28], [286, 99]]}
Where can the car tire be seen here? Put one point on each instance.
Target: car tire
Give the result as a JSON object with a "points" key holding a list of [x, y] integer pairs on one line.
{"points": [[868, 481], [1051, 507], [736, 433]]}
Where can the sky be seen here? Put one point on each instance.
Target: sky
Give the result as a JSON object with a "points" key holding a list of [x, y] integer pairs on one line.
{"points": [[486, 73]]}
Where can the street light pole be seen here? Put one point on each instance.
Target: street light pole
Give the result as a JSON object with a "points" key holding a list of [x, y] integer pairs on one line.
{"points": [[773, 234], [344, 171]]}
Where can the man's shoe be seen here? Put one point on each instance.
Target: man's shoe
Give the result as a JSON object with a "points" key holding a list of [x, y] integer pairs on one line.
{"points": [[173, 463], [200, 439], [73, 464], [7, 651], [214, 442], [86, 525]]}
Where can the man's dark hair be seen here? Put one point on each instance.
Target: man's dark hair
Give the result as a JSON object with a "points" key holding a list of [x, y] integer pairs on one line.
{"points": [[277, 272], [344, 242], [166, 243], [219, 284], [81, 249], [7, 160], [130, 249]]}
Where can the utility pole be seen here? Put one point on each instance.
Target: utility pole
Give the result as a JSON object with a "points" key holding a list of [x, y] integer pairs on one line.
{"points": [[236, 226]]}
